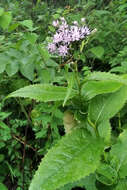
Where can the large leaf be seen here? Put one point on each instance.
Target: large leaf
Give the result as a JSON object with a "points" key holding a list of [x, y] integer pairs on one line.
{"points": [[88, 182], [93, 88], [42, 92], [106, 174], [2, 187], [74, 157], [104, 107], [103, 76]]}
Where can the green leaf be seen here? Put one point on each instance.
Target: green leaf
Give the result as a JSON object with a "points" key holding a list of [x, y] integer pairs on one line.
{"points": [[28, 24], [93, 88], [97, 51], [76, 155], [5, 20], [12, 68], [27, 67], [106, 174], [3, 62], [31, 37], [3, 187], [42, 92], [1, 11], [122, 185], [104, 107], [104, 130], [89, 183], [103, 76], [118, 151]]}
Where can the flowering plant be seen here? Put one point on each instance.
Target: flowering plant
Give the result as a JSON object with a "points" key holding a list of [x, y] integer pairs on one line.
{"points": [[66, 35]]}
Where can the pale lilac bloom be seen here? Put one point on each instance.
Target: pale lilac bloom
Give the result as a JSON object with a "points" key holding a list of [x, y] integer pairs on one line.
{"points": [[67, 36], [63, 50], [63, 26], [75, 33], [57, 38], [51, 47], [55, 23], [85, 31]]}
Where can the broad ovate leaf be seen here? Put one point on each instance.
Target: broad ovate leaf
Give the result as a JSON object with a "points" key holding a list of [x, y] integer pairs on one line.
{"points": [[104, 107], [76, 155], [42, 92], [93, 88]]}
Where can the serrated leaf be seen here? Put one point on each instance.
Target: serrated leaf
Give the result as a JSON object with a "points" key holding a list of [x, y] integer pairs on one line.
{"points": [[93, 88], [104, 107], [106, 174], [42, 92], [104, 130], [74, 157], [103, 76], [97, 51], [119, 150], [5, 19]]}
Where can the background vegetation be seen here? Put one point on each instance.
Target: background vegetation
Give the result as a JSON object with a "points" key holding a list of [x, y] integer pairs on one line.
{"points": [[29, 128]]}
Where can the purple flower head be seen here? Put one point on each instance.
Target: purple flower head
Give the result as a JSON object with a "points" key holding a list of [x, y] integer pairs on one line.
{"points": [[63, 50], [85, 31], [51, 47], [55, 23], [57, 38], [75, 33]]}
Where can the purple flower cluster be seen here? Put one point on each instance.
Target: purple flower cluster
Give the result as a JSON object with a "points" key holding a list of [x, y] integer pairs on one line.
{"points": [[67, 34]]}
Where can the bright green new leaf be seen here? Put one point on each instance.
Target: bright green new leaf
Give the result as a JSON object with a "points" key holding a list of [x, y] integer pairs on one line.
{"points": [[42, 92], [93, 88], [104, 107], [5, 20], [75, 156], [97, 51]]}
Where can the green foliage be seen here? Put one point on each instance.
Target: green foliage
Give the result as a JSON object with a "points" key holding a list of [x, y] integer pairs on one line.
{"points": [[75, 149], [104, 107], [81, 84], [43, 93]]}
